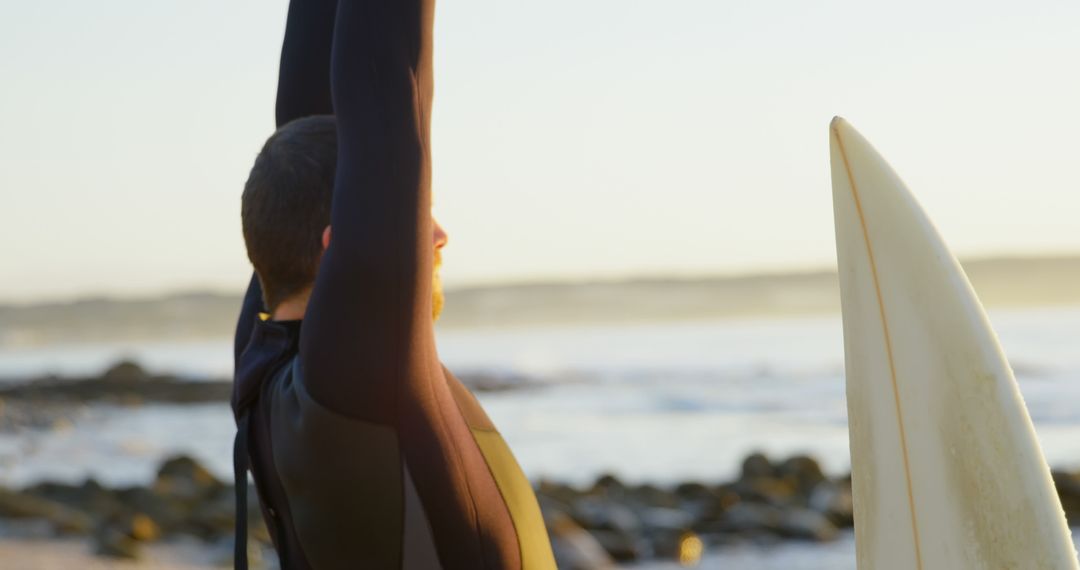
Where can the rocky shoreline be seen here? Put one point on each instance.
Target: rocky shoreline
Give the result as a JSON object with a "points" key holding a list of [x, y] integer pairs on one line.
{"points": [[47, 402], [770, 501], [126, 382], [183, 501], [598, 526]]}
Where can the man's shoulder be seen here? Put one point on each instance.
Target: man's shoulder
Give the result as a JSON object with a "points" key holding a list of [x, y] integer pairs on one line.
{"points": [[271, 353], [467, 403]]}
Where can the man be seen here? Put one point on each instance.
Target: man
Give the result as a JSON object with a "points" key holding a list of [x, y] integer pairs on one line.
{"points": [[366, 452]]}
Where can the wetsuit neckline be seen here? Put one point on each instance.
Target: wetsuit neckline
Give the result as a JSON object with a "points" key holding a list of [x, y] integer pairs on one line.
{"points": [[288, 326]]}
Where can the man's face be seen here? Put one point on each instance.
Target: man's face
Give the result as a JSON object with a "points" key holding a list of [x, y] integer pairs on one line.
{"points": [[440, 239]]}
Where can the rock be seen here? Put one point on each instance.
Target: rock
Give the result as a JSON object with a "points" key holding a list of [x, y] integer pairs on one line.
{"points": [[23, 506], [1068, 488], [652, 496], [702, 502], [593, 528], [169, 514], [623, 547], [116, 544], [788, 483], [573, 547], [806, 524], [691, 547], [790, 522], [614, 525], [184, 479], [769, 490], [696, 499], [608, 485], [833, 499], [125, 371], [597, 513], [137, 526], [121, 535], [744, 518], [683, 547], [709, 516], [726, 497], [89, 497], [661, 518], [125, 382], [803, 471], [756, 465], [669, 532], [215, 517], [693, 491]]}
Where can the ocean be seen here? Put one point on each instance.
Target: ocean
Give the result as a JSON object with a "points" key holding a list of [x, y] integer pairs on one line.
{"points": [[661, 403]]}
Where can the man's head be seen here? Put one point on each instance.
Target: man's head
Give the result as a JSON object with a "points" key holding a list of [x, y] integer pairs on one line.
{"points": [[286, 206], [285, 211]]}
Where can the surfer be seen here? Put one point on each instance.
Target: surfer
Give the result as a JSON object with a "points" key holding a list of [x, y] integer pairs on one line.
{"points": [[365, 451]]}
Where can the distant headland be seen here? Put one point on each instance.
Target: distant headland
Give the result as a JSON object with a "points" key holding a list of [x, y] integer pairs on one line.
{"points": [[1000, 282]]}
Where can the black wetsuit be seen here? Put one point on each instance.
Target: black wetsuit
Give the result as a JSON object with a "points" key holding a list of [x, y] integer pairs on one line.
{"points": [[365, 451]]}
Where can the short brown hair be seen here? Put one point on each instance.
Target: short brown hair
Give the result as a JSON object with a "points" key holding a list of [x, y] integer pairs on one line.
{"points": [[286, 205]]}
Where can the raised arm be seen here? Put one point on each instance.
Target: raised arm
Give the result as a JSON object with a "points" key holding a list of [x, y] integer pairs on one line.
{"points": [[304, 75], [303, 90], [368, 325]]}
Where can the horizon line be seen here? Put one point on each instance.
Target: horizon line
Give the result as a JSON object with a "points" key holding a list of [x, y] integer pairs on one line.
{"points": [[540, 280]]}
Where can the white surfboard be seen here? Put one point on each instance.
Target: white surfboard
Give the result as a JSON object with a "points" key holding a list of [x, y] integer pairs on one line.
{"points": [[946, 471]]}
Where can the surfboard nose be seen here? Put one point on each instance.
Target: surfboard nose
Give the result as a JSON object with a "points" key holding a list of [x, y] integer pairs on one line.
{"points": [[880, 226], [853, 154], [865, 186]]}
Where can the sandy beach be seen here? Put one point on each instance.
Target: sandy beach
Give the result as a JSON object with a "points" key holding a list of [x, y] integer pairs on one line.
{"points": [[68, 554]]}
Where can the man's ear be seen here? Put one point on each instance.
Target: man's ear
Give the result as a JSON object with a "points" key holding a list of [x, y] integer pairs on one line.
{"points": [[326, 238]]}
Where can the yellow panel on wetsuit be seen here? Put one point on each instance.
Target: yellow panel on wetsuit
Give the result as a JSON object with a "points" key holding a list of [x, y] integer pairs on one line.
{"points": [[513, 485]]}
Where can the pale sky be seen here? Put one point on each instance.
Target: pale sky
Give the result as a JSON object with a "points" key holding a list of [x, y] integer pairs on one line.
{"points": [[572, 138]]}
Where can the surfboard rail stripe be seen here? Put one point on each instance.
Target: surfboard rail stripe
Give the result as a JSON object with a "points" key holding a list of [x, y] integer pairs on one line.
{"points": [[888, 343]]}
